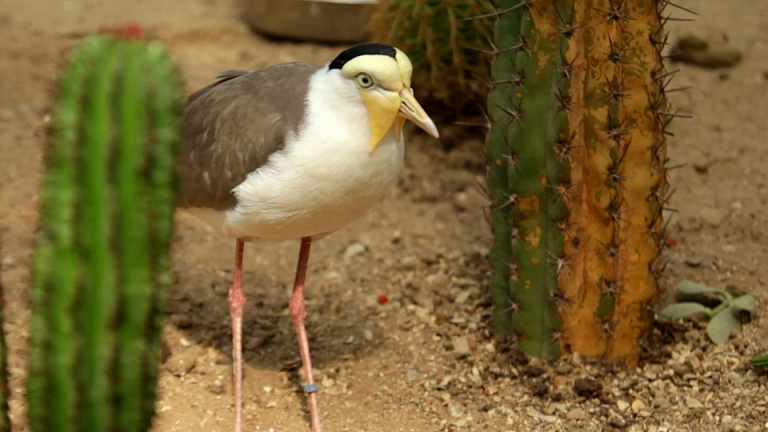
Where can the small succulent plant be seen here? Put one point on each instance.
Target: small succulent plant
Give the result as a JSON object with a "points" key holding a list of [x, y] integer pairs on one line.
{"points": [[760, 363], [722, 320]]}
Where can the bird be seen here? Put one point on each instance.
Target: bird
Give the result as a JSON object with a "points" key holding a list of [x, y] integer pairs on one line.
{"points": [[295, 151]]}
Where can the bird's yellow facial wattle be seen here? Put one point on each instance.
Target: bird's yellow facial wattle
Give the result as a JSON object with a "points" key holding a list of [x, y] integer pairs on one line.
{"points": [[384, 84]]}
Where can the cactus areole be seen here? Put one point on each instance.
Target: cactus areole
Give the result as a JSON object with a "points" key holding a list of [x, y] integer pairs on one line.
{"points": [[102, 265], [576, 156]]}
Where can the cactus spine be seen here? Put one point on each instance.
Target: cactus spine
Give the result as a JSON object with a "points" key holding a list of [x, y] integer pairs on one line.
{"points": [[576, 174], [446, 45], [102, 263]]}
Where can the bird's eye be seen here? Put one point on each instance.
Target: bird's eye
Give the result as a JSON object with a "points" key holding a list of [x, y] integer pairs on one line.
{"points": [[364, 80]]}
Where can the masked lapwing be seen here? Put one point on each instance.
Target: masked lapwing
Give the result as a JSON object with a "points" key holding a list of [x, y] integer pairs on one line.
{"points": [[296, 151]]}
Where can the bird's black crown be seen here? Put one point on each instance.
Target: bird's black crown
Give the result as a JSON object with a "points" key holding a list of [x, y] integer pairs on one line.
{"points": [[364, 49]]}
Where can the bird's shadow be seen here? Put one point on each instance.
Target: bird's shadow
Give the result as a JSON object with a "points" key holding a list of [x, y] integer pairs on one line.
{"points": [[199, 306]]}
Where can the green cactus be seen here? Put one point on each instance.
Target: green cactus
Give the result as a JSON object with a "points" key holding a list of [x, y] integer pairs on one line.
{"points": [[447, 44], [102, 263], [576, 174]]}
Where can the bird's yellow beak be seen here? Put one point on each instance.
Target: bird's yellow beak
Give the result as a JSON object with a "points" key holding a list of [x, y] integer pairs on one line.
{"points": [[411, 110], [392, 109]]}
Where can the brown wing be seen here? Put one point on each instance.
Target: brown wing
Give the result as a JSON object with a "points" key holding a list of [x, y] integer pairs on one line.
{"points": [[233, 125]]}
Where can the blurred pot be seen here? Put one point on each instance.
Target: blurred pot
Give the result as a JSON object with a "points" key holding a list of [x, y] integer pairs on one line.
{"points": [[335, 21]]}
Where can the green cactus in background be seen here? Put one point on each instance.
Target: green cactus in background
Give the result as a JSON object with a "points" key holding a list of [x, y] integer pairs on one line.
{"points": [[448, 46], [102, 265], [576, 174]]}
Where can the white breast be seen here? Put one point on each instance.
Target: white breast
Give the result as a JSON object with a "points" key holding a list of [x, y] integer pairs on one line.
{"points": [[324, 178]]}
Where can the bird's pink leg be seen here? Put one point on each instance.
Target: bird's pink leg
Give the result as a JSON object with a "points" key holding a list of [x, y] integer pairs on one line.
{"points": [[236, 306], [299, 313]]}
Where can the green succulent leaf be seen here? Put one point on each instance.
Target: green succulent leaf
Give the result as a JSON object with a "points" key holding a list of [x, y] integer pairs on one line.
{"points": [[745, 303], [683, 310], [693, 288], [760, 362], [723, 325]]}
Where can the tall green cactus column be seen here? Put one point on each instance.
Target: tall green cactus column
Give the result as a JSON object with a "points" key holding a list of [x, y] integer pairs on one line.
{"points": [[102, 265], [576, 174], [525, 171]]}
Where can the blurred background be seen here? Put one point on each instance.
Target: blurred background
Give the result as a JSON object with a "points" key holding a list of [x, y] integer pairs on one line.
{"points": [[398, 303]]}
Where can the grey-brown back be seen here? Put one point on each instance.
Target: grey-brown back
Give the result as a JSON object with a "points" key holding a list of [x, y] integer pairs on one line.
{"points": [[233, 125]]}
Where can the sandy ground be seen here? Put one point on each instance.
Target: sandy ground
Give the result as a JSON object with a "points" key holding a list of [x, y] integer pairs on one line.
{"points": [[426, 360]]}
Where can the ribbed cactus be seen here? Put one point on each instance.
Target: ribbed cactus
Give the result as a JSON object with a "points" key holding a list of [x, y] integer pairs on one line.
{"points": [[447, 44], [576, 174], [102, 265]]}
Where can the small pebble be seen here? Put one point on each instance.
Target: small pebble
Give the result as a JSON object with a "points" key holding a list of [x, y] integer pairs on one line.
{"points": [[460, 345], [538, 415], [710, 50], [425, 299], [712, 216], [577, 414], [693, 262], [462, 297], [437, 281], [412, 375], [217, 387], [354, 250], [587, 387], [693, 403], [255, 341], [456, 409], [461, 201], [617, 421], [681, 369], [409, 262], [637, 406], [181, 364]]}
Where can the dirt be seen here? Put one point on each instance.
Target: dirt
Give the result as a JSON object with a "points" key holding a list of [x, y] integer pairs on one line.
{"points": [[398, 307]]}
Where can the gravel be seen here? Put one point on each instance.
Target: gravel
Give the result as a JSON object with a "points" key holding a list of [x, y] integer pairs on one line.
{"points": [[684, 382]]}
